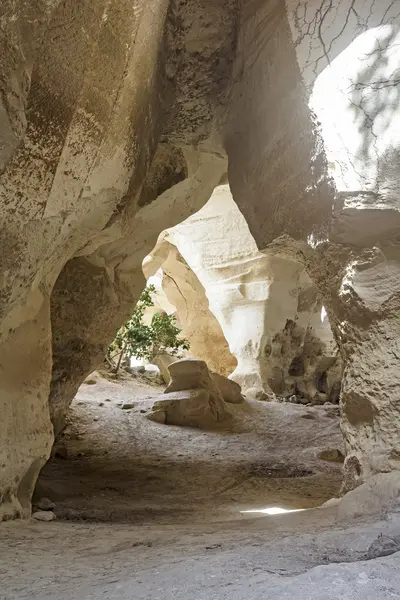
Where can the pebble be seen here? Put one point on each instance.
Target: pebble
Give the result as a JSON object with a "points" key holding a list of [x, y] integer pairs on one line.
{"points": [[45, 504], [383, 546], [295, 399], [127, 406], [44, 515], [101, 403]]}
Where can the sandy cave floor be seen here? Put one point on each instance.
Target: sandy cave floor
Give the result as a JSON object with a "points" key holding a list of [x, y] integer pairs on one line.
{"points": [[153, 512], [120, 466]]}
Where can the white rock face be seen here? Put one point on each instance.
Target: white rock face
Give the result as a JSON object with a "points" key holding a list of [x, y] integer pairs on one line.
{"points": [[265, 303], [183, 290]]}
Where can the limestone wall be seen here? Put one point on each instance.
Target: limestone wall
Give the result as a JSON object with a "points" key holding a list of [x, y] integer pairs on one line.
{"points": [[336, 65], [266, 304], [185, 292], [87, 90]]}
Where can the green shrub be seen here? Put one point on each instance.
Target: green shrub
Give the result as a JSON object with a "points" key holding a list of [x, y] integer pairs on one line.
{"points": [[135, 338]]}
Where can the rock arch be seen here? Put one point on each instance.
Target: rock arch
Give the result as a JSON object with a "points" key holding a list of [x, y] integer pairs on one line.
{"points": [[116, 117]]}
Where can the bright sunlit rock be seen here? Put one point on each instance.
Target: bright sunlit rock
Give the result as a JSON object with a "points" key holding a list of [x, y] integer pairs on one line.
{"points": [[358, 107]]}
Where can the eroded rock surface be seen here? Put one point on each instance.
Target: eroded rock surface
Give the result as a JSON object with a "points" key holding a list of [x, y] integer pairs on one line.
{"points": [[184, 291], [379, 496], [352, 59], [268, 307], [343, 71], [100, 123]]}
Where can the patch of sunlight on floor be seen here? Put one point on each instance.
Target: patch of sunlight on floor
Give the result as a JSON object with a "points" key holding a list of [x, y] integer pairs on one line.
{"points": [[273, 510]]}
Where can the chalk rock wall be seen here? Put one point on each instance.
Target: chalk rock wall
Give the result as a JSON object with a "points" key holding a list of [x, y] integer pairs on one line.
{"points": [[101, 121], [266, 304], [343, 63], [351, 73], [185, 292]]}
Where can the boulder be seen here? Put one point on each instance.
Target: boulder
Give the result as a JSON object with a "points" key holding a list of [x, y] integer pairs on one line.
{"points": [[383, 546], [377, 497], [162, 361], [192, 397], [45, 504], [230, 390], [197, 408], [189, 374], [44, 515]]}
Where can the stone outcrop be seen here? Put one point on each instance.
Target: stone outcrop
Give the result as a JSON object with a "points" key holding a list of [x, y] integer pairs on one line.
{"points": [[118, 119], [192, 398], [378, 496], [268, 307]]}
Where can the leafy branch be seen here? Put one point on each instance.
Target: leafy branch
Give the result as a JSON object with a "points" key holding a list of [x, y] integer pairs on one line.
{"points": [[135, 338]]}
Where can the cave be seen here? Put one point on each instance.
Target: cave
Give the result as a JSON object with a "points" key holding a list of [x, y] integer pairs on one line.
{"points": [[245, 154]]}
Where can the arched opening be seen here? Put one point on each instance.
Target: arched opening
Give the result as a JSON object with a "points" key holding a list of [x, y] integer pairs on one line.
{"points": [[130, 449]]}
